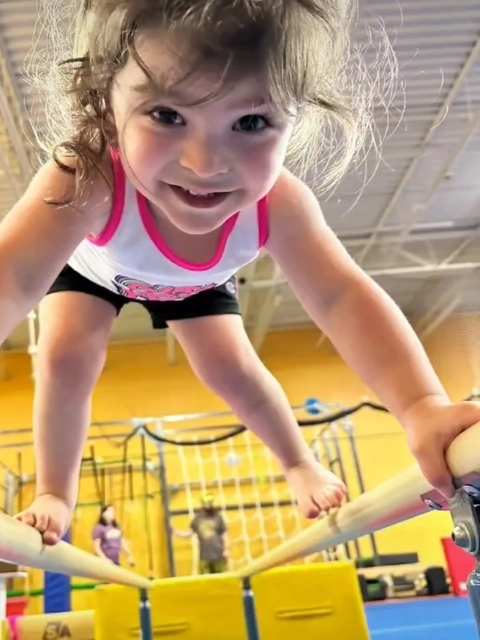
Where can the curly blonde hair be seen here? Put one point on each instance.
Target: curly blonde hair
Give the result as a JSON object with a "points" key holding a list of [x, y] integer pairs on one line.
{"points": [[303, 49]]}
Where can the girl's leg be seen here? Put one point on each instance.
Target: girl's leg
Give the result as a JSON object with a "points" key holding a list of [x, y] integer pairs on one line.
{"points": [[222, 356]]}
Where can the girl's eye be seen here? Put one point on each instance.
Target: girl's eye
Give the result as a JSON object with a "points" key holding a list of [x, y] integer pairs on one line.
{"points": [[252, 123], [167, 117]]}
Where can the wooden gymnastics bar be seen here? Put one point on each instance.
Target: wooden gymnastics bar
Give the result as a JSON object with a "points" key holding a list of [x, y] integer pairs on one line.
{"points": [[405, 496]]}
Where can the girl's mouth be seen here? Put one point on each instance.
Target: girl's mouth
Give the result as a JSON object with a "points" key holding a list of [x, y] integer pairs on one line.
{"points": [[199, 200]]}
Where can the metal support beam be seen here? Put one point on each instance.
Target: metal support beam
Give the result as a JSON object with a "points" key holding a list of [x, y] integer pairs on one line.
{"points": [[32, 341], [431, 280], [433, 268], [416, 5], [394, 271], [6, 168], [427, 327], [321, 341], [3, 364], [425, 236], [461, 248], [14, 116], [171, 347], [270, 304], [410, 256], [249, 274], [460, 147], [390, 208]]}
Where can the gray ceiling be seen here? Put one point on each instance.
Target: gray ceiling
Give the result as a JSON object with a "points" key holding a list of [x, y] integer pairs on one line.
{"points": [[414, 225]]}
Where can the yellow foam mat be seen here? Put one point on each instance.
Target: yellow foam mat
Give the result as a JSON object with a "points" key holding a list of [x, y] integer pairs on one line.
{"points": [[75, 625], [195, 608], [5, 631], [310, 602]]}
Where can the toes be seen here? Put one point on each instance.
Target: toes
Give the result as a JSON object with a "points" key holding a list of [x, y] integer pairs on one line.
{"points": [[42, 521], [309, 507], [49, 528], [317, 507], [52, 533], [27, 518], [330, 498], [339, 492], [312, 510], [342, 488], [50, 537]]}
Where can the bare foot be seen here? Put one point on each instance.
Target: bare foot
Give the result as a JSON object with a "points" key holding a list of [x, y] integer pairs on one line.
{"points": [[50, 515], [316, 489]]}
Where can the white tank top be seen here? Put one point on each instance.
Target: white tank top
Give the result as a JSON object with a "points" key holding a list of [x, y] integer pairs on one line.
{"points": [[131, 258]]}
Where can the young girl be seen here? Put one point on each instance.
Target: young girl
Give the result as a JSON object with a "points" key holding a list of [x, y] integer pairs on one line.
{"points": [[108, 539], [179, 118]]}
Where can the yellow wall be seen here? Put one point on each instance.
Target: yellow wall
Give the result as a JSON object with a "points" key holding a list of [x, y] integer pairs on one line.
{"points": [[137, 382]]}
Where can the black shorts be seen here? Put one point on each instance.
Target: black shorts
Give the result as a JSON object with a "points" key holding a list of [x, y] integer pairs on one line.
{"points": [[218, 301]]}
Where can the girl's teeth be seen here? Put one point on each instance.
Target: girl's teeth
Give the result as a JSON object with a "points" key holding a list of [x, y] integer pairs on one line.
{"points": [[200, 195]]}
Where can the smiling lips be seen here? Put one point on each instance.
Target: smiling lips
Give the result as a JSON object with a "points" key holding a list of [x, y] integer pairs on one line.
{"points": [[199, 200]]}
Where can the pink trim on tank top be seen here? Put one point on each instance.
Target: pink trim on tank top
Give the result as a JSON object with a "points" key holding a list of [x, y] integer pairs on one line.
{"points": [[159, 242], [118, 204], [162, 246], [118, 207], [263, 222]]}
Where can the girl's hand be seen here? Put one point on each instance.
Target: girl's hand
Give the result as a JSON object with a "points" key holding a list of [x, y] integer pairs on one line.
{"points": [[431, 425]]}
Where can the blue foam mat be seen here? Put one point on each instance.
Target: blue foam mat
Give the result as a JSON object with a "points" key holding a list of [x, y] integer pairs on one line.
{"points": [[434, 619]]}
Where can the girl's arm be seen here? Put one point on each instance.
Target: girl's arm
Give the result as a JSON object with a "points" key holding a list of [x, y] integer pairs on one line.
{"points": [[37, 239], [126, 549], [97, 545], [367, 328], [182, 534]]}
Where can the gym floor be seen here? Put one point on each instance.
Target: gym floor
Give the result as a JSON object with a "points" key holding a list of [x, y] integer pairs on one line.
{"points": [[425, 619]]}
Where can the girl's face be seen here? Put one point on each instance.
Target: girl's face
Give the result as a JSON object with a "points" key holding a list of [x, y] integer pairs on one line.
{"points": [[199, 164], [109, 514]]}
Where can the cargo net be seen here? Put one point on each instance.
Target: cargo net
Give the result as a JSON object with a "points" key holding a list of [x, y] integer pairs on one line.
{"points": [[248, 489], [249, 492]]}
